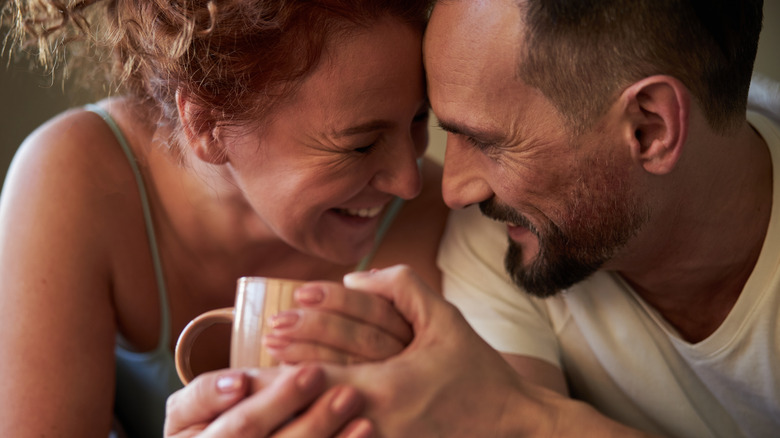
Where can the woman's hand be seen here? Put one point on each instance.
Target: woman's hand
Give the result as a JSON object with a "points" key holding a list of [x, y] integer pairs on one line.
{"points": [[274, 402], [336, 324]]}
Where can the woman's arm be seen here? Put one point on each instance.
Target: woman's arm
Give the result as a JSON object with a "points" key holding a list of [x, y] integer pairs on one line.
{"points": [[56, 315]]}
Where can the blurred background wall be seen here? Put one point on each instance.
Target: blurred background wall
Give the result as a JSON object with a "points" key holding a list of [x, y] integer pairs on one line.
{"points": [[28, 99]]}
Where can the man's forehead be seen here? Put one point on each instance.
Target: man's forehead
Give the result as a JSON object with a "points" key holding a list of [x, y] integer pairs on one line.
{"points": [[480, 35], [471, 53]]}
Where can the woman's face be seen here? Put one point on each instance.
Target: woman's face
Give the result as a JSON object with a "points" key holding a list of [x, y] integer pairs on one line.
{"points": [[321, 174]]}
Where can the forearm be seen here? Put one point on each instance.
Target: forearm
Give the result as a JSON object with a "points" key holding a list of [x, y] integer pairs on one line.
{"points": [[535, 411]]}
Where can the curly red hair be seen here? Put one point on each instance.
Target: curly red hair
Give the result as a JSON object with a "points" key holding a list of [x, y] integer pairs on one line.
{"points": [[233, 58]]}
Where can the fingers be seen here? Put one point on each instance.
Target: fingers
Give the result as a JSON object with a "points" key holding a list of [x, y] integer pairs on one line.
{"points": [[197, 404], [338, 325], [357, 305], [308, 334], [360, 428], [399, 284], [217, 404], [271, 407], [333, 412]]}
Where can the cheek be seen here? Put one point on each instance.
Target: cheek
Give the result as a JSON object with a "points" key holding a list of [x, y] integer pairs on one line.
{"points": [[602, 197], [534, 189]]}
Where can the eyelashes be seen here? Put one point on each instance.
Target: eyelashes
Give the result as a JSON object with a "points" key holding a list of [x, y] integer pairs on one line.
{"points": [[422, 117], [365, 150], [484, 147]]}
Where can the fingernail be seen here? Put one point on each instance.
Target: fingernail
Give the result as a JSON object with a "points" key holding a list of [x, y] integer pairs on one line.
{"points": [[360, 274], [310, 378], [309, 294], [353, 279], [275, 342], [230, 382], [284, 319], [360, 428], [344, 401]]}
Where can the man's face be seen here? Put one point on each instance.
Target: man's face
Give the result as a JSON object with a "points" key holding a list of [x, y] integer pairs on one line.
{"points": [[568, 202]]}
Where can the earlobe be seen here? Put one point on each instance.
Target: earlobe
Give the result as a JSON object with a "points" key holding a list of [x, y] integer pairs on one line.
{"points": [[204, 141], [658, 109]]}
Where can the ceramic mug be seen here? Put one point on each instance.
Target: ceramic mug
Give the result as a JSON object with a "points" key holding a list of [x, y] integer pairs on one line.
{"points": [[257, 299]]}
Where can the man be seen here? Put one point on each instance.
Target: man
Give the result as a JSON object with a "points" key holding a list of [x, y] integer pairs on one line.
{"points": [[608, 141]]}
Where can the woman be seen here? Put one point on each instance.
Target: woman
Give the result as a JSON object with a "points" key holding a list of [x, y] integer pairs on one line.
{"points": [[272, 138]]}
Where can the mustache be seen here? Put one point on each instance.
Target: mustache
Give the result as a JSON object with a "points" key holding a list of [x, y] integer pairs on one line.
{"points": [[497, 211]]}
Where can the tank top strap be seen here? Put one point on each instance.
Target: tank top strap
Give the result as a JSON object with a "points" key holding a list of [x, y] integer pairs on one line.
{"points": [[162, 294], [384, 226]]}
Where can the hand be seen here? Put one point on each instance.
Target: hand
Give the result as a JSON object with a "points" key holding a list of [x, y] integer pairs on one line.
{"points": [[339, 325], [265, 403], [448, 381]]}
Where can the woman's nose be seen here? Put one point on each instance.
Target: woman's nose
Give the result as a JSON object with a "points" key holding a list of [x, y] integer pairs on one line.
{"points": [[400, 172]]}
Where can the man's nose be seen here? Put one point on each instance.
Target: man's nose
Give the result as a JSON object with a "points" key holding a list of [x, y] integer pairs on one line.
{"points": [[465, 180]]}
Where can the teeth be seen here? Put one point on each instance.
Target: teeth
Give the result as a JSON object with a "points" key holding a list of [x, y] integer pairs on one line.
{"points": [[364, 212]]}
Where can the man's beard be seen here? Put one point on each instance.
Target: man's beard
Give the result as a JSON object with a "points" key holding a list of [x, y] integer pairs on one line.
{"points": [[594, 229]]}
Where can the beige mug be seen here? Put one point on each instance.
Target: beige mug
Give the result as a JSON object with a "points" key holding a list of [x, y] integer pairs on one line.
{"points": [[257, 299]]}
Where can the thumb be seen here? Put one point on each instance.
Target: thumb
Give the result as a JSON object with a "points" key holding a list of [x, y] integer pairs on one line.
{"points": [[204, 399], [403, 287]]}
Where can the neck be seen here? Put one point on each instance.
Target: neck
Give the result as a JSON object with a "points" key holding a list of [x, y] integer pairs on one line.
{"points": [[713, 232]]}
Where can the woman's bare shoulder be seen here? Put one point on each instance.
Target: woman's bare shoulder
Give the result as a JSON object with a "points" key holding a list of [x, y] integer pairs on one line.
{"points": [[70, 173], [60, 213], [75, 152]]}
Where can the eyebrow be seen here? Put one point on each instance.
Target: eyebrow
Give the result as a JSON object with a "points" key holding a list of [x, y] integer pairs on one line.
{"points": [[465, 131], [373, 125]]}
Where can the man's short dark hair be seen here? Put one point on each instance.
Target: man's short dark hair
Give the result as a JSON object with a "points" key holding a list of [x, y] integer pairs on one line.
{"points": [[582, 54]]}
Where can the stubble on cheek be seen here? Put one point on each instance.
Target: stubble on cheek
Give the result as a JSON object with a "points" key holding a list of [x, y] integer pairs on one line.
{"points": [[601, 215]]}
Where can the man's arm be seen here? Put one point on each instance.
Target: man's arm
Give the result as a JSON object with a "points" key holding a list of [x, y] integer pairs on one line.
{"points": [[538, 371], [449, 382], [518, 326]]}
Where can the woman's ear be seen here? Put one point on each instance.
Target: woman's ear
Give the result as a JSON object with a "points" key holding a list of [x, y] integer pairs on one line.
{"points": [[657, 109], [203, 140]]}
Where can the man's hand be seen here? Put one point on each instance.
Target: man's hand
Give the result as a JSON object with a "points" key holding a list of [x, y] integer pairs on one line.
{"points": [[338, 325], [448, 382]]}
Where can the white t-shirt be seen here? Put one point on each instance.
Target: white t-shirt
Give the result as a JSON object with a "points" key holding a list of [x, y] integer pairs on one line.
{"points": [[617, 353]]}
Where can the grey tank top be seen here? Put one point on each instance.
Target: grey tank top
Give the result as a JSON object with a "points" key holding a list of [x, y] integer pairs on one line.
{"points": [[144, 380]]}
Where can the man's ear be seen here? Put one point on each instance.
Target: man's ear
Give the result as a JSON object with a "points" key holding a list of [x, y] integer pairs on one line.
{"points": [[203, 141], [657, 110]]}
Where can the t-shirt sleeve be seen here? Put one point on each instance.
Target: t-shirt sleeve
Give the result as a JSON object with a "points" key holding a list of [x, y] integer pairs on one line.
{"points": [[471, 258]]}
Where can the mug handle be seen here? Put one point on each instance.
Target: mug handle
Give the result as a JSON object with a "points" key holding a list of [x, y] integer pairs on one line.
{"points": [[190, 333]]}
